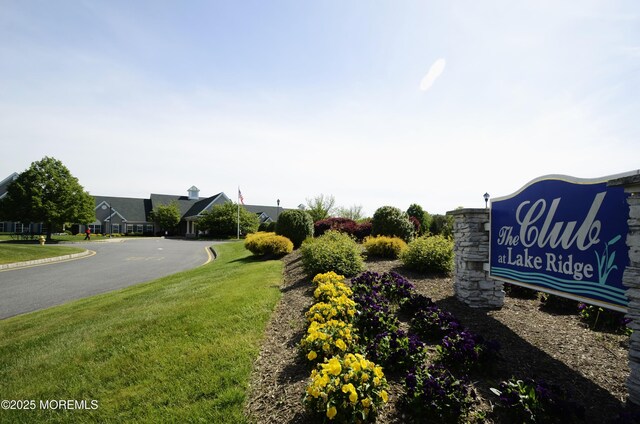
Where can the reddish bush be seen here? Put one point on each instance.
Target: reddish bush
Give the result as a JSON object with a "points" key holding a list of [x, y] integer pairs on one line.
{"points": [[363, 230], [338, 224], [343, 225], [416, 223]]}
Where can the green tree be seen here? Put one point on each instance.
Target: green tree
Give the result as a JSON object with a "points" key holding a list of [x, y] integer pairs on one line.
{"points": [[391, 221], [47, 192], [166, 217], [222, 220], [423, 217], [354, 212], [441, 224], [296, 225], [320, 207]]}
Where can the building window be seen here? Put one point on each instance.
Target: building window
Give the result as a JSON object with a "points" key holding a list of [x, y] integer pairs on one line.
{"points": [[139, 228], [95, 228], [19, 227], [129, 228], [115, 228], [2, 227], [149, 228]]}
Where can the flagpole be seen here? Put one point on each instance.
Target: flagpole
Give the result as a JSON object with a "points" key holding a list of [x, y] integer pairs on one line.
{"points": [[238, 212]]}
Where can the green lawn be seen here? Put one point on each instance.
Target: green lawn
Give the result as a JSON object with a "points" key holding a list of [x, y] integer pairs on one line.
{"points": [[178, 349], [78, 238], [17, 252]]}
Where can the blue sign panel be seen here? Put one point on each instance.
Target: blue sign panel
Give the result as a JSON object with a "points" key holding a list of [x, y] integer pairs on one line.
{"points": [[564, 236]]}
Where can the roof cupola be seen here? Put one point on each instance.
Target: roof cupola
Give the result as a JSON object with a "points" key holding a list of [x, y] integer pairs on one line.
{"points": [[194, 193]]}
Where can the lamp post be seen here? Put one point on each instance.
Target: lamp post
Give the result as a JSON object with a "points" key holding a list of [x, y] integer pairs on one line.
{"points": [[486, 200], [109, 218], [277, 210]]}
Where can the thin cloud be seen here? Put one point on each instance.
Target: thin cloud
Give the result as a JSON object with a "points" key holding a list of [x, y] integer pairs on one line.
{"points": [[434, 72]]}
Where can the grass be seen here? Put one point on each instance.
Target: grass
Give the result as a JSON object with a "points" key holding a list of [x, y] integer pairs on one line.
{"points": [[65, 238], [178, 349], [15, 252]]}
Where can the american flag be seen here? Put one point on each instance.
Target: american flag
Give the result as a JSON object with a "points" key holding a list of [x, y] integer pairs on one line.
{"points": [[240, 198]]}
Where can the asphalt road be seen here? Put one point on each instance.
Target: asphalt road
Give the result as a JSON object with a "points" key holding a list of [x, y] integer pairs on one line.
{"points": [[114, 266]]}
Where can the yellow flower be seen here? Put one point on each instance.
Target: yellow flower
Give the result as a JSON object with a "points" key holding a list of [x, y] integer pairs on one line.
{"points": [[341, 344], [366, 402], [353, 397], [348, 388], [384, 395], [378, 372], [376, 381], [313, 391], [312, 355], [324, 380], [331, 412], [333, 366], [356, 366]]}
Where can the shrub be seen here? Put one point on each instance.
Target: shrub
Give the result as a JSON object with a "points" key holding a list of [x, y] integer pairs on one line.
{"points": [[262, 243], [253, 242], [344, 225], [269, 227], [429, 254], [222, 221], [424, 219], [363, 230], [333, 251], [416, 225], [347, 388], [441, 225], [384, 246], [391, 221], [296, 225]]}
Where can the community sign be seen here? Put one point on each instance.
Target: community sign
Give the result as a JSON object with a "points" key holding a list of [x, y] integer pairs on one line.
{"points": [[565, 236]]}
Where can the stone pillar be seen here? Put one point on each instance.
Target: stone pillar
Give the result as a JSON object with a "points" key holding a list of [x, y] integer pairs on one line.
{"points": [[472, 284], [631, 280]]}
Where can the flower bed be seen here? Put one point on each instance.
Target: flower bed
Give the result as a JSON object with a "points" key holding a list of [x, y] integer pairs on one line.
{"points": [[590, 366], [344, 386], [377, 301]]}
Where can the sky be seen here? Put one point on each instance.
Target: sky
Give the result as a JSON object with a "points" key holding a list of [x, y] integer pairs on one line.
{"points": [[372, 102]]}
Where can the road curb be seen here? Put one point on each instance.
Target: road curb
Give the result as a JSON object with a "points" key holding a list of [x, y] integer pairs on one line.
{"points": [[35, 262]]}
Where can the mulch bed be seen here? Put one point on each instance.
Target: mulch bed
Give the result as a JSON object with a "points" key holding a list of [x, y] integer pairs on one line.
{"points": [[535, 343]]}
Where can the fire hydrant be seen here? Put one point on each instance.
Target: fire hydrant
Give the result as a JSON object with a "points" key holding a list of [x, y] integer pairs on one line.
{"points": [[41, 239]]}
